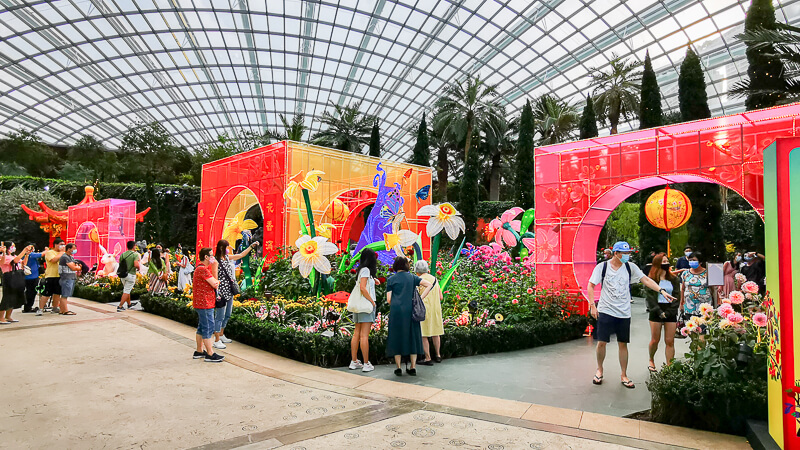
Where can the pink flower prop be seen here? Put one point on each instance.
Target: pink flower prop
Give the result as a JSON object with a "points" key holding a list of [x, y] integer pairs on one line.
{"points": [[503, 235], [760, 319], [529, 243], [724, 310], [684, 331], [736, 297], [750, 287], [515, 301], [735, 317], [740, 278]]}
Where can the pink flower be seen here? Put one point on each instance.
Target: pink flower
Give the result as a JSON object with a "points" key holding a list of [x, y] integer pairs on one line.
{"points": [[724, 310], [735, 317], [740, 278], [494, 295], [515, 301], [505, 224], [760, 319], [530, 291], [513, 280], [736, 297], [750, 287], [483, 286], [684, 331], [725, 300]]}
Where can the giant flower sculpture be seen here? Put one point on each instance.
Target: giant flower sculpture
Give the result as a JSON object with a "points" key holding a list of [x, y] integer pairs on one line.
{"points": [[399, 240], [233, 232], [507, 228], [443, 216], [311, 254]]}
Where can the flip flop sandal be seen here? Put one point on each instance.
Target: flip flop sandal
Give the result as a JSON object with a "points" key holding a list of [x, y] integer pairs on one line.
{"points": [[652, 369], [597, 380], [629, 384], [69, 313]]}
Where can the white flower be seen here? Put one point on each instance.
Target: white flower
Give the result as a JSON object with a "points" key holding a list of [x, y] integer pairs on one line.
{"points": [[442, 216], [311, 255], [398, 241]]}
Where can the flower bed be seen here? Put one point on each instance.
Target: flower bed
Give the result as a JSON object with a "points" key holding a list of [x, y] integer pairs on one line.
{"points": [[107, 289], [722, 382]]}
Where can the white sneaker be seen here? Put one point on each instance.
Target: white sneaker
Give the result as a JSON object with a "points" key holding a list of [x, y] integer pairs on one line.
{"points": [[224, 339], [355, 365], [219, 344], [368, 367], [38, 312]]}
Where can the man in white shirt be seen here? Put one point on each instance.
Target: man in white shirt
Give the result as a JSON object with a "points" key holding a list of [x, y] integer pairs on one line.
{"points": [[613, 311]]}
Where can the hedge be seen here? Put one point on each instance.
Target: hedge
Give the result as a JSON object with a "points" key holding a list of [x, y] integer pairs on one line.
{"points": [[103, 295], [316, 349], [173, 217]]}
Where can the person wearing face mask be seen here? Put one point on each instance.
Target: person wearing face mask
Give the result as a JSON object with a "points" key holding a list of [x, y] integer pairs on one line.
{"points": [[52, 285], [755, 270], [683, 262], [613, 311], [13, 281], [228, 287], [68, 271], [203, 300], [663, 312], [694, 286]]}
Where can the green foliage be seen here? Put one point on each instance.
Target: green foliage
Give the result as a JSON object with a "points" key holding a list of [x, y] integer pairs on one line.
{"points": [[26, 149], [469, 194], [765, 71], [705, 224], [292, 131], [588, 123], [375, 141], [224, 147], [782, 43], [555, 119], [75, 171], [422, 153], [672, 118], [150, 154], [650, 114], [346, 129], [12, 169], [14, 223], [739, 227], [524, 181], [177, 205], [623, 224], [692, 96], [683, 396], [616, 90], [104, 294], [93, 158]]}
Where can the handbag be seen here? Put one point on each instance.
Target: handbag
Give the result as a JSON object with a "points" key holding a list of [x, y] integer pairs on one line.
{"points": [[234, 284], [356, 303], [27, 270], [16, 278], [418, 306]]}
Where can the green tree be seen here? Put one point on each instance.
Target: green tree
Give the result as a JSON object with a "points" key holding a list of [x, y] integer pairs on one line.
{"points": [[466, 107], [623, 225], [223, 147], [422, 153], [291, 131], [151, 155], [650, 114], [14, 223], [783, 44], [554, 119], [692, 96], [375, 141], [347, 128], [500, 146], [94, 156], [468, 203], [524, 181], [75, 171], [616, 90], [25, 148], [764, 70], [588, 123], [251, 140]]}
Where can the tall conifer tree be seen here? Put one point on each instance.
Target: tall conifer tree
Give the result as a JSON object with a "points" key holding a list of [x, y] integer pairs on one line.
{"points": [[422, 152], [524, 180], [692, 96], [375, 141], [468, 202], [765, 72], [588, 124], [650, 114]]}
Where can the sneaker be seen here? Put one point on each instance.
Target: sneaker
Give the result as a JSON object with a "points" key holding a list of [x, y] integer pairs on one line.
{"points": [[39, 312], [224, 339], [355, 365], [55, 310], [133, 304], [219, 345], [198, 355], [215, 358], [120, 308], [368, 367]]}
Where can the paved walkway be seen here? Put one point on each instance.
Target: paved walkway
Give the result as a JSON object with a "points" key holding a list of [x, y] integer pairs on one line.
{"points": [[557, 375], [103, 379]]}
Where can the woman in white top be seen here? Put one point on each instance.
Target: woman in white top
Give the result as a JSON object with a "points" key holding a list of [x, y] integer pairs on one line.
{"points": [[367, 269], [185, 269]]}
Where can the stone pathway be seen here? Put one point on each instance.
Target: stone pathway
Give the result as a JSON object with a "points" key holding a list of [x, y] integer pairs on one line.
{"points": [[103, 379]]}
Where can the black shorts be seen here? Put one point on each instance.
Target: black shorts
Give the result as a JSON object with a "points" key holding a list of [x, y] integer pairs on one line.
{"points": [[51, 287], [608, 325]]}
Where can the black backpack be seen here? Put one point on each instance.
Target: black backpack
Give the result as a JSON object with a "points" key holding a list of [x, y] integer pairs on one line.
{"points": [[122, 269]]}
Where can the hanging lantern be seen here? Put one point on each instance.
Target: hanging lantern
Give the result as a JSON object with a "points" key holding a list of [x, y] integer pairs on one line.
{"points": [[668, 209]]}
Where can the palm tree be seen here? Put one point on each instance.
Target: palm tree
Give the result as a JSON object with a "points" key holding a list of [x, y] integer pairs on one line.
{"points": [[500, 145], [347, 129], [291, 132], [554, 119], [466, 107], [616, 92], [785, 42]]}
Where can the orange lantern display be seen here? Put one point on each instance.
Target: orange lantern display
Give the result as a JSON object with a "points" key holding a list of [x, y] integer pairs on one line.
{"points": [[338, 211], [668, 209]]}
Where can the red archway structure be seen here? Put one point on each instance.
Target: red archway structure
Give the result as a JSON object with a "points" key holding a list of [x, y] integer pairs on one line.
{"points": [[578, 184]]}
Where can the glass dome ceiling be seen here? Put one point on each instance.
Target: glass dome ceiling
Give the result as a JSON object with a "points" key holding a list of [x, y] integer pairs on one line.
{"points": [[203, 68]]}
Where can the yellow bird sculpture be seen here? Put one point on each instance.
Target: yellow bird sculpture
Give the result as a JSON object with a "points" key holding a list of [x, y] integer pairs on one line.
{"points": [[233, 231]]}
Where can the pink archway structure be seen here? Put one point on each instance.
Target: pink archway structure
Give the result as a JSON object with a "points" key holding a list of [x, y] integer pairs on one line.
{"points": [[578, 184]]}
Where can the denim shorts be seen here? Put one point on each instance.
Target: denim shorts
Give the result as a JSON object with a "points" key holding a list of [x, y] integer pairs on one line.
{"points": [[67, 286], [205, 323], [222, 316], [608, 325]]}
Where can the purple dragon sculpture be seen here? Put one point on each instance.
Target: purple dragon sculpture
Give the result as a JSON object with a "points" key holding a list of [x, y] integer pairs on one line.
{"points": [[387, 211]]}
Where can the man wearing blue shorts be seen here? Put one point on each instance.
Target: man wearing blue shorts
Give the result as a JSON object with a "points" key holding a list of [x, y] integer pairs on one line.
{"points": [[613, 310]]}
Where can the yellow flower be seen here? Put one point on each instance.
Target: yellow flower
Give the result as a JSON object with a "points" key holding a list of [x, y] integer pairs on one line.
{"points": [[498, 317], [312, 180], [325, 230], [396, 242], [233, 231], [311, 255], [443, 216]]}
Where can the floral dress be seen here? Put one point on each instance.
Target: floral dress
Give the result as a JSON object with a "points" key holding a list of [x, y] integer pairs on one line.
{"points": [[695, 291]]}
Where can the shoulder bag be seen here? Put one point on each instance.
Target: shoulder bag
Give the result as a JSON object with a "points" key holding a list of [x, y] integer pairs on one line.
{"points": [[356, 303], [418, 306]]}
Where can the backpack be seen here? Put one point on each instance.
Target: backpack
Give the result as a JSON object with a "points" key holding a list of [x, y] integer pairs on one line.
{"points": [[605, 266], [122, 270]]}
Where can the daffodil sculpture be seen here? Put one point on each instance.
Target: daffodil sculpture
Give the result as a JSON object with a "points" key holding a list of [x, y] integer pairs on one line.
{"points": [[443, 217], [312, 255], [233, 232]]}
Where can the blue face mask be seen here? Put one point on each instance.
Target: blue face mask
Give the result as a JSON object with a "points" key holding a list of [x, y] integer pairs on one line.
{"points": [[625, 258], [694, 264]]}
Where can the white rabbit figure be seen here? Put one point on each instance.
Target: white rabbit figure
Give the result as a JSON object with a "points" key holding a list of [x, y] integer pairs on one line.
{"points": [[109, 261]]}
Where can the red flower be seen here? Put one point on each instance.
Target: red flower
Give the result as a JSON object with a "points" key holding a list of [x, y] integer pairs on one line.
{"points": [[551, 196]]}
